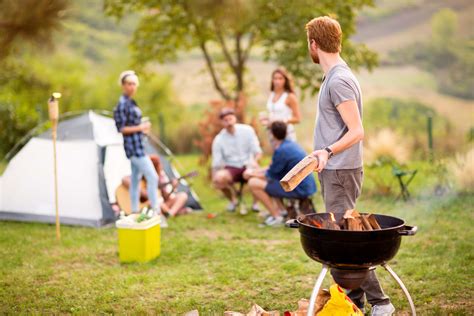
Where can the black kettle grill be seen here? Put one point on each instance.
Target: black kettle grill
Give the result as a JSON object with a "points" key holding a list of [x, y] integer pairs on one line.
{"points": [[352, 254]]}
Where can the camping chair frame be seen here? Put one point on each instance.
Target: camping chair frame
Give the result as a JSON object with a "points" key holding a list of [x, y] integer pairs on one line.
{"points": [[295, 207], [404, 193], [239, 192]]}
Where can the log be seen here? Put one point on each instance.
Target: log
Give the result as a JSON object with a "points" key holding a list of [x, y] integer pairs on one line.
{"points": [[351, 213], [297, 174], [342, 223], [331, 223], [373, 222], [353, 224], [365, 222]]}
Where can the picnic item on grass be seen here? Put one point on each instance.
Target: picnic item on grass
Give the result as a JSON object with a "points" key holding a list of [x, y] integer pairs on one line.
{"points": [[339, 304], [138, 241]]}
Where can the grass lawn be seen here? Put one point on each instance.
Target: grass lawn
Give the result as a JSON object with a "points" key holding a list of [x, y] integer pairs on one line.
{"points": [[226, 263]]}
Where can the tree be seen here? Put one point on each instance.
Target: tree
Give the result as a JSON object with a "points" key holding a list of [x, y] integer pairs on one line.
{"points": [[447, 54], [29, 20], [226, 31], [444, 27]]}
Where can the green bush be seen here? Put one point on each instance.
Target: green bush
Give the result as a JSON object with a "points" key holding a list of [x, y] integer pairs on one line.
{"points": [[29, 81], [408, 118], [379, 179]]}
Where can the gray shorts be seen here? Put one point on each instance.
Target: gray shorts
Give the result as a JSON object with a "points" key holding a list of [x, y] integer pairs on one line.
{"points": [[341, 188]]}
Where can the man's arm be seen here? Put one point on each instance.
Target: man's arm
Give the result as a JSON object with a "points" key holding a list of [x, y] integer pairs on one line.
{"points": [[351, 117], [255, 147], [255, 173], [349, 112], [257, 157], [217, 157]]}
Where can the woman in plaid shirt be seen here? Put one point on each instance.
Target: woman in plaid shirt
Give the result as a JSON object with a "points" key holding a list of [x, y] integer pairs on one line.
{"points": [[128, 119]]}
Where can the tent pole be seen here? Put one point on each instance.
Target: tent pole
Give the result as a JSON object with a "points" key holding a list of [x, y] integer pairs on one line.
{"points": [[53, 111], [166, 149]]}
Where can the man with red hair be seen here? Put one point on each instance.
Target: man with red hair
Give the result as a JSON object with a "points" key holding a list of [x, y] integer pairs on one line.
{"points": [[338, 139]]}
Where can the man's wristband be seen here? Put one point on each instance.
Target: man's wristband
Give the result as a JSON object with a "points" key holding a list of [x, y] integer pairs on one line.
{"points": [[329, 152]]}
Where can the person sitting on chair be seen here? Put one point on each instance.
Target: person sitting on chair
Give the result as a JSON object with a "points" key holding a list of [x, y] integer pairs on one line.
{"points": [[265, 183], [174, 203], [233, 149]]}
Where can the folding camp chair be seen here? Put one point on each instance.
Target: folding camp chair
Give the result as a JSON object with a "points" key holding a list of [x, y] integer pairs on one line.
{"points": [[239, 191], [296, 207], [404, 178]]}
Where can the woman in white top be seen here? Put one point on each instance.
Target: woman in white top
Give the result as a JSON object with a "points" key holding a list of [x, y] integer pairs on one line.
{"points": [[282, 104]]}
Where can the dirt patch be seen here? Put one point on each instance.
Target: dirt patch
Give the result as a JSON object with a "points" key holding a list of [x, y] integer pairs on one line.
{"points": [[209, 234], [460, 304], [269, 242]]}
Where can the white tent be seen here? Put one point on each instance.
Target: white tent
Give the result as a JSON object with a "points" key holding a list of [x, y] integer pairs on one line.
{"points": [[91, 164]]}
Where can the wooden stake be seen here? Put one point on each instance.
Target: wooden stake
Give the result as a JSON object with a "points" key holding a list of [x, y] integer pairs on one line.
{"points": [[53, 111], [300, 171]]}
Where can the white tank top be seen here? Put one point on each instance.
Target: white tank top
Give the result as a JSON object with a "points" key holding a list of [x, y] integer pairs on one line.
{"points": [[280, 111]]}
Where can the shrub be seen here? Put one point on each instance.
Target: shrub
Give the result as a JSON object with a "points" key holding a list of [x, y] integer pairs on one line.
{"points": [[183, 138], [462, 169], [408, 119], [384, 149], [386, 145]]}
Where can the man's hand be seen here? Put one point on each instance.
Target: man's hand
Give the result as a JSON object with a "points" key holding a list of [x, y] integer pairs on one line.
{"points": [[257, 172], [145, 127], [323, 157]]}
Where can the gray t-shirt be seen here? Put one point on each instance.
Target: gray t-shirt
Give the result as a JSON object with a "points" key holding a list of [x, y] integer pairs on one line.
{"points": [[235, 150], [339, 85]]}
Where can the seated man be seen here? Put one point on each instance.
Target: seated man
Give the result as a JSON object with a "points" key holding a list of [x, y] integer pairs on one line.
{"points": [[174, 203], [265, 184], [233, 149]]}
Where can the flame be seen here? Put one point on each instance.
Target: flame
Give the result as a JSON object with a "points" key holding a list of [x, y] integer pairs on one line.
{"points": [[331, 217], [317, 224]]}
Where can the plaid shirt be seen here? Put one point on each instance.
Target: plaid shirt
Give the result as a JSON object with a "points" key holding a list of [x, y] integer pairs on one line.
{"points": [[127, 113]]}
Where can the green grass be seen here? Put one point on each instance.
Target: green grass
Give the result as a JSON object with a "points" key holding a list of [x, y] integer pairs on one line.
{"points": [[226, 263]]}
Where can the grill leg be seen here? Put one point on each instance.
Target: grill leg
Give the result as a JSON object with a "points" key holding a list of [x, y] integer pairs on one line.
{"points": [[316, 288], [405, 291]]}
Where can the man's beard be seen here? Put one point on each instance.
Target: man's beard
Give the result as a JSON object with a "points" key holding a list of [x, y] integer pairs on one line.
{"points": [[315, 58]]}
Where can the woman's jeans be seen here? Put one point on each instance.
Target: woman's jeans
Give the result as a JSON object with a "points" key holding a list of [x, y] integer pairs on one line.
{"points": [[142, 166]]}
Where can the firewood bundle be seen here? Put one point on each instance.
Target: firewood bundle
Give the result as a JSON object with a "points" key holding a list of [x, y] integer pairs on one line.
{"points": [[351, 220]]}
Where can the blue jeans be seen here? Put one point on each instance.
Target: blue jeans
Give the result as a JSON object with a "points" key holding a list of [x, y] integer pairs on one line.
{"points": [[142, 166]]}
